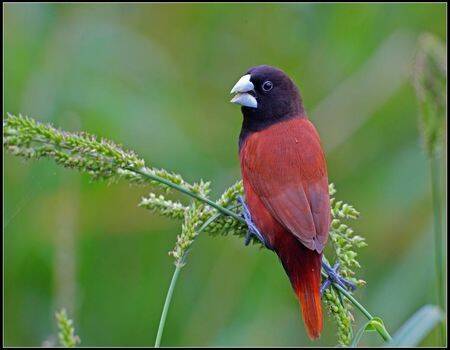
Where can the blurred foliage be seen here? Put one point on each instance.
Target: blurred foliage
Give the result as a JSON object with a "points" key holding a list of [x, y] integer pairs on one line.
{"points": [[430, 79], [417, 327], [156, 78]]}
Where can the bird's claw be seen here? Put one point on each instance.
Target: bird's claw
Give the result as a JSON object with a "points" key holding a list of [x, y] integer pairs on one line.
{"points": [[252, 229], [335, 277]]}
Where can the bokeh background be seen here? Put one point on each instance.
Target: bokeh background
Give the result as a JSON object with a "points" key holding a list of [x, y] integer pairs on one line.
{"points": [[156, 78]]}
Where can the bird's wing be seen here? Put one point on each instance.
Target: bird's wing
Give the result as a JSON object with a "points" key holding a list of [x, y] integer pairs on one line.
{"points": [[285, 166]]}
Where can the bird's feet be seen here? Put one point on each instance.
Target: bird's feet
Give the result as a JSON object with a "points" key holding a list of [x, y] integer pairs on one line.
{"points": [[335, 277], [252, 229]]}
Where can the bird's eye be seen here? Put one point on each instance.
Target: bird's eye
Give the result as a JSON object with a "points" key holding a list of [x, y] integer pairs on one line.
{"points": [[267, 86]]}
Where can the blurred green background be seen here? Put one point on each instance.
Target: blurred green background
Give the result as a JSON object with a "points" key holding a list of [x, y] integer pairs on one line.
{"points": [[156, 78]]}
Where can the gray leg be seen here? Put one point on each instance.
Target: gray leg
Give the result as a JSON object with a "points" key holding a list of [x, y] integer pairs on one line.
{"points": [[335, 277], [252, 229]]}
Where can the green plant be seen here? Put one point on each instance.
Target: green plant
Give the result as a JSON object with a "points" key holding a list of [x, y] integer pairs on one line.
{"points": [[429, 80], [344, 243], [102, 159], [375, 324], [66, 335]]}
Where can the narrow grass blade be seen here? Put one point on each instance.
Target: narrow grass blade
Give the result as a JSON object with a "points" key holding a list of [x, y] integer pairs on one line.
{"points": [[413, 331]]}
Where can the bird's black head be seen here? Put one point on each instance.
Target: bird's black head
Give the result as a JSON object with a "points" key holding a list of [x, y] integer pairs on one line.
{"points": [[267, 95]]}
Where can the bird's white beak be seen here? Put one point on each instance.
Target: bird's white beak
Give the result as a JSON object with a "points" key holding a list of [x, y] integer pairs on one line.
{"points": [[242, 89]]}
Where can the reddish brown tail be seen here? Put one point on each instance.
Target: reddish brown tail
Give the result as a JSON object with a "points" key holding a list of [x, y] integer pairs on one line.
{"points": [[303, 268]]}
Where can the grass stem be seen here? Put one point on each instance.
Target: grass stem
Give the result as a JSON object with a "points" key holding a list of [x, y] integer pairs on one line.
{"points": [[187, 192], [437, 215], [162, 321], [167, 302], [438, 237]]}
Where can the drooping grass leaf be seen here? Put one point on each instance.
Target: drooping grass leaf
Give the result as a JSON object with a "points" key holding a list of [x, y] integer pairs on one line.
{"points": [[413, 331], [375, 324]]}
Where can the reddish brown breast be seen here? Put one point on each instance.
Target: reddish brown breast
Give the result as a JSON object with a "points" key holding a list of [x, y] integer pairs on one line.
{"points": [[285, 181]]}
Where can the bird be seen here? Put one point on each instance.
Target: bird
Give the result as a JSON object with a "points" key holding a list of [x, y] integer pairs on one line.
{"points": [[285, 181]]}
